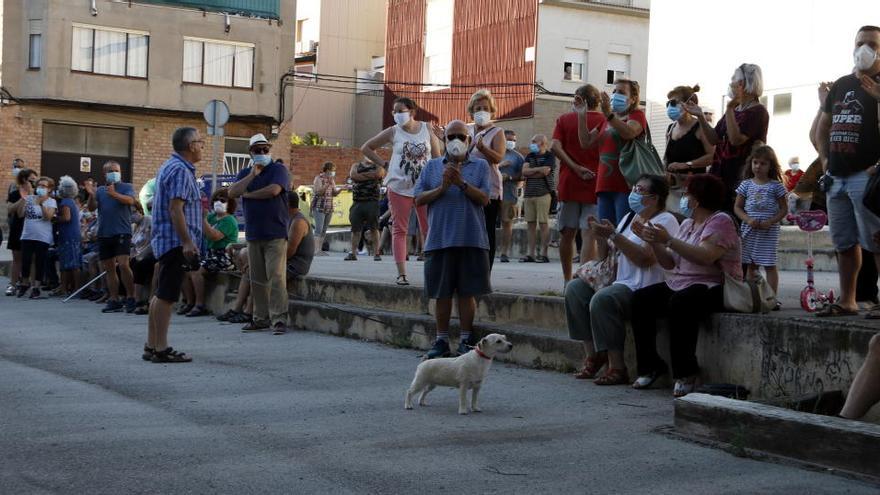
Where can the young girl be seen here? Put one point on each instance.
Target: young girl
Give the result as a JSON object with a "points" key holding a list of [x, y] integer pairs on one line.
{"points": [[761, 205]]}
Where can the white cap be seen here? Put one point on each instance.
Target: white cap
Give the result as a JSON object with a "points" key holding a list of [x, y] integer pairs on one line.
{"points": [[257, 139]]}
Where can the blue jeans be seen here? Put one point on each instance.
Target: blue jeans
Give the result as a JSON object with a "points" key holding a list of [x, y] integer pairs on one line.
{"points": [[613, 206]]}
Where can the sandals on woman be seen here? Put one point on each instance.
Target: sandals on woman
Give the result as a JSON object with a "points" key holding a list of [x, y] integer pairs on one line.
{"points": [[592, 365], [835, 310], [613, 377]]}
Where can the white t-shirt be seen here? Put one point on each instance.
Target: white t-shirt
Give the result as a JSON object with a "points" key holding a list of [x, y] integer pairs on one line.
{"points": [[409, 155], [36, 228], [628, 273]]}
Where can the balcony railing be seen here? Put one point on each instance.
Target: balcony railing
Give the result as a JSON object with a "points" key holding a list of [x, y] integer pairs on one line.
{"points": [[270, 9]]}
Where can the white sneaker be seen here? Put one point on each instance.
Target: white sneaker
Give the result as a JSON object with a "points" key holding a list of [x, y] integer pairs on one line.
{"points": [[10, 290], [682, 388]]}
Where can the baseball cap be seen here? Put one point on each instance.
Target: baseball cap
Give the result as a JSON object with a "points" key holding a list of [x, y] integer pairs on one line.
{"points": [[257, 139]]}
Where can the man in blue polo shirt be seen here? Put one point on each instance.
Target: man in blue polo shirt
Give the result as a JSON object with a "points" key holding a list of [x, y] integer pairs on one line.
{"points": [[114, 202], [456, 188], [177, 235], [263, 188]]}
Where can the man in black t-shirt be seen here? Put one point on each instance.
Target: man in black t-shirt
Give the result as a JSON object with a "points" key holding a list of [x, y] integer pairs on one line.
{"points": [[848, 137], [364, 213]]}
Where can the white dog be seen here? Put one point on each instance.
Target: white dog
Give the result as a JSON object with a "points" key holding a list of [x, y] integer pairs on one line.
{"points": [[463, 372]]}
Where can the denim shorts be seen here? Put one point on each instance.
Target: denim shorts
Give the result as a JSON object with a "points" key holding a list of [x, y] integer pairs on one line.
{"points": [[573, 215], [851, 223]]}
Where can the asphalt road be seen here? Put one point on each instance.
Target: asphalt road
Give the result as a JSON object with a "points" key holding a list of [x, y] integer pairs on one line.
{"points": [[310, 413]]}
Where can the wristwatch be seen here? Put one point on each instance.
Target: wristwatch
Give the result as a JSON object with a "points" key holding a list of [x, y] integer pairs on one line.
{"points": [[690, 164], [464, 186], [610, 117], [669, 243]]}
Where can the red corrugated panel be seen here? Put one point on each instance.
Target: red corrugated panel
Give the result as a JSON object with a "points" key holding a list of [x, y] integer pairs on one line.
{"points": [[488, 46]]}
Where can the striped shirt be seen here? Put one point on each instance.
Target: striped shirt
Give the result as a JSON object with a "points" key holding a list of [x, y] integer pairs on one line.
{"points": [[539, 186], [453, 219], [176, 179]]}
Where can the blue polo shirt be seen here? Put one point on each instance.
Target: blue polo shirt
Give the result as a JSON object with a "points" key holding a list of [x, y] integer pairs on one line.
{"points": [[513, 169], [266, 219], [176, 179], [453, 219], [115, 216]]}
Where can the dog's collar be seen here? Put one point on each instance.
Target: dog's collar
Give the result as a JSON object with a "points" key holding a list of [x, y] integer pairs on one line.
{"points": [[481, 353]]}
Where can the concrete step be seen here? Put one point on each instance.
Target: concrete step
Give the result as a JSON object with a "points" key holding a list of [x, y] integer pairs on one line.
{"points": [[819, 441]]}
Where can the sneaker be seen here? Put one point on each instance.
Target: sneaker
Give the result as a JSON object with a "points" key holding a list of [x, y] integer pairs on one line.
{"points": [[130, 305], [142, 310], [10, 290], [440, 349], [465, 346], [185, 308], [279, 328], [256, 326], [351, 257], [98, 294], [35, 293], [113, 306], [542, 259], [504, 259], [22, 290], [377, 258], [148, 354], [240, 317]]}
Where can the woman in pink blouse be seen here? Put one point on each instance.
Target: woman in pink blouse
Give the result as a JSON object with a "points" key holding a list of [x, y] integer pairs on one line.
{"points": [[706, 247]]}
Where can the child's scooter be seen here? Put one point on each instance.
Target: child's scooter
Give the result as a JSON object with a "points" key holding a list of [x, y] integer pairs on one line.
{"points": [[809, 222]]}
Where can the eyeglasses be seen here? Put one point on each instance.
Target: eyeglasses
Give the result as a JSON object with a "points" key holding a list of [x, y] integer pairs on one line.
{"points": [[460, 137], [671, 103], [260, 151]]}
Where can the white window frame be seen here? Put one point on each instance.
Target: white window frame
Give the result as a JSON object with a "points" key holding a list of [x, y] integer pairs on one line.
{"points": [[438, 44], [238, 47], [619, 71], [128, 72], [576, 56]]}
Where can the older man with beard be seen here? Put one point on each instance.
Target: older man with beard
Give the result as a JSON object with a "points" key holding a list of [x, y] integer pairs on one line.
{"points": [[456, 188]]}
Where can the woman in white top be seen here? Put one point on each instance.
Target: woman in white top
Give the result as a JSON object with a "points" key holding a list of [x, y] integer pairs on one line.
{"points": [[37, 208], [413, 145], [597, 318], [489, 144]]}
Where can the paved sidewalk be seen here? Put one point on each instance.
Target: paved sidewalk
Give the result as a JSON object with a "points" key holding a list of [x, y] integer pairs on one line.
{"points": [[310, 413]]}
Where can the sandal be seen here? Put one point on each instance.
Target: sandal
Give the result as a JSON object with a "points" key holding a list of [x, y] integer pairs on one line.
{"points": [[592, 366], [351, 257], [613, 377], [148, 353], [527, 259], [170, 356], [142, 310], [256, 326], [835, 310], [227, 315], [186, 308], [401, 280], [198, 311], [873, 313], [542, 259], [683, 387], [240, 317]]}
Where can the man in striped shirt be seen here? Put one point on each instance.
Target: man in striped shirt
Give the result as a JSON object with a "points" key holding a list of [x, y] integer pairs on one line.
{"points": [[177, 233]]}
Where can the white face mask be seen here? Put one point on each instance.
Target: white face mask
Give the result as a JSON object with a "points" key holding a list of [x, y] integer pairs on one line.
{"points": [[401, 118], [794, 166], [864, 57], [730, 93], [456, 148], [219, 207], [332, 174], [482, 118], [511, 145]]}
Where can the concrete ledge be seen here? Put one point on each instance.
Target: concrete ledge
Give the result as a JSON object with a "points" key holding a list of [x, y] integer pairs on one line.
{"points": [[824, 441]]}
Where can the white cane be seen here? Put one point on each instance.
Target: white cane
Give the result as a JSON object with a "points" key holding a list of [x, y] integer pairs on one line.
{"points": [[90, 282]]}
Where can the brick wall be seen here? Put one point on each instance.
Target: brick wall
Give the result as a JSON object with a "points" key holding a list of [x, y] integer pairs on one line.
{"points": [[307, 161]]}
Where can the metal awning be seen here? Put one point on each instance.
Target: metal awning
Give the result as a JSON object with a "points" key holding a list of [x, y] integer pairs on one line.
{"points": [[270, 9]]}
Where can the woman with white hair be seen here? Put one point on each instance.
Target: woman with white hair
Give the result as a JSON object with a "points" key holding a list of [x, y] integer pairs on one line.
{"points": [[68, 242], [744, 122]]}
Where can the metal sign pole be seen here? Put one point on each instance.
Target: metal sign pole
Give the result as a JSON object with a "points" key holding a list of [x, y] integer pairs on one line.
{"points": [[216, 115]]}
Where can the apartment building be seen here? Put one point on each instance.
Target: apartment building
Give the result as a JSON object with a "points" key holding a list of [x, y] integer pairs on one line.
{"points": [[531, 54], [85, 82], [340, 48]]}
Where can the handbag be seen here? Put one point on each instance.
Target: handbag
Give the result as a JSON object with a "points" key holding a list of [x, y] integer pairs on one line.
{"points": [[639, 157], [871, 197], [554, 200], [599, 274], [748, 296]]}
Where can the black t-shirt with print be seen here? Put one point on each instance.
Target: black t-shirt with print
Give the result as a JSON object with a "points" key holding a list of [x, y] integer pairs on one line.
{"points": [[855, 138]]}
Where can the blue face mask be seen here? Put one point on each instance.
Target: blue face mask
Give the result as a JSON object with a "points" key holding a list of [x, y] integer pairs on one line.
{"points": [[534, 148], [619, 102], [685, 207], [41, 191], [114, 177], [635, 202], [261, 160], [673, 112]]}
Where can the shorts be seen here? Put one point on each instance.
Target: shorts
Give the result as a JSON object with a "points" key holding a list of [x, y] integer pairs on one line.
{"points": [[111, 247], [537, 209], [172, 272], [364, 215], [16, 225], [322, 221], [69, 256], [142, 270], [573, 215], [850, 222], [457, 270], [508, 211]]}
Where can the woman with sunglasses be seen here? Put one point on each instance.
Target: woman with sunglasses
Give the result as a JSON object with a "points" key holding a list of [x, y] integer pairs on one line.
{"points": [[598, 317], [413, 144], [688, 150], [744, 122]]}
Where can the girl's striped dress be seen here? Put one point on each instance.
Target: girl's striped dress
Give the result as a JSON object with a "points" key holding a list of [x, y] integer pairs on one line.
{"points": [[759, 247]]}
